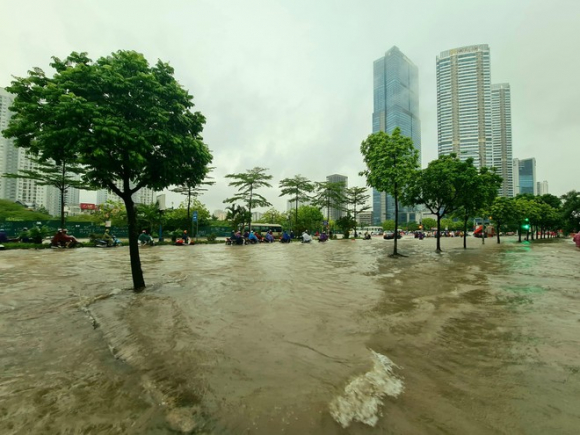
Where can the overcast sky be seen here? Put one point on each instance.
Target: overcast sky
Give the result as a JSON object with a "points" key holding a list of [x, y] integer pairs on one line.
{"points": [[287, 85]]}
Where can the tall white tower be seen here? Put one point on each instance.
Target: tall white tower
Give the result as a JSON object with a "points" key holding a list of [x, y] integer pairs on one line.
{"points": [[501, 121], [464, 104]]}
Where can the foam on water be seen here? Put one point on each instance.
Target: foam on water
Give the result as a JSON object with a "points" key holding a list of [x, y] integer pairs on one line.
{"points": [[363, 396]]}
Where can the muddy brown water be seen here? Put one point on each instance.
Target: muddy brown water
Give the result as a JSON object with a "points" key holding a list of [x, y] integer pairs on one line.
{"points": [[334, 338]]}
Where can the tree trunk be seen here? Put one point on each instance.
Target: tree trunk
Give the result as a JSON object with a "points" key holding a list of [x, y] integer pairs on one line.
{"points": [[465, 218], [438, 233], [497, 231], [137, 273], [396, 198], [250, 214], [295, 212], [190, 222], [62, 207]]}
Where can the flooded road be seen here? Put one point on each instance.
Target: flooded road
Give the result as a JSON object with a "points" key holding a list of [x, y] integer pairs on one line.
{"points": [[334, 338]]}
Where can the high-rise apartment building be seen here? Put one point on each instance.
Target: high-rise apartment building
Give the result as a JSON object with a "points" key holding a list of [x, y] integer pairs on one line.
{"points": [[396, 104], [524, 171], [13, 159], [464, 121], [142, 196], [501, 123], [335, 213], [542, 188]]}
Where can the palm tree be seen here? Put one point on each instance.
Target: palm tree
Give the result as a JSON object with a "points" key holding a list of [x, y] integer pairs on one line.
{"points": [[248, 182], [298, 187]]}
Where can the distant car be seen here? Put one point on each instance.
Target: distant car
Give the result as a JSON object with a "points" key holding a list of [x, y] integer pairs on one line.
{"points": [[389, 235]]}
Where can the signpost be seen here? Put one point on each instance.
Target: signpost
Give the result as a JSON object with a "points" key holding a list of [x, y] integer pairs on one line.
{"points": [[194, 219]]}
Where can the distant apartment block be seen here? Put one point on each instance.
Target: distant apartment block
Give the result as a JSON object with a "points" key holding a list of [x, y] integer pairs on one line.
{"points": [[142, 196], [542, 188], [501, 122]]}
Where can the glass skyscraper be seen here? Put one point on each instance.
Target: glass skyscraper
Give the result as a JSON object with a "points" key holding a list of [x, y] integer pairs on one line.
{"points": [[464, 124], [396, 104], [525, 176]]}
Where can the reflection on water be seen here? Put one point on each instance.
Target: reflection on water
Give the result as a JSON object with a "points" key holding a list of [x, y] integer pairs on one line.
{"points": [[300, 339]]}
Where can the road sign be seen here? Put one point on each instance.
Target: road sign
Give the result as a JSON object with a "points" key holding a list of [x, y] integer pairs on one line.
{"points": [[194, 216]]}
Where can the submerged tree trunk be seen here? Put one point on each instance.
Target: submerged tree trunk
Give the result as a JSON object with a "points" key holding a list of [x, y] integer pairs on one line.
{"points": [[396, 198], [136, 271], [465, 218], [438, 233], [497, 231]]}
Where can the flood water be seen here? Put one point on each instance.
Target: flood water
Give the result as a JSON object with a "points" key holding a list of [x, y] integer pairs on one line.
{"points": [[334, 338]]}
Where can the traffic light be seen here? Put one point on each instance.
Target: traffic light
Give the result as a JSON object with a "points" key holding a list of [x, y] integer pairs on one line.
{"points": [[526, 225]]}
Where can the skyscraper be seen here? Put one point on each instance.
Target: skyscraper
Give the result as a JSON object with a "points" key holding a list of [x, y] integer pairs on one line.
{"points": [[525, 176], [501, 122], [464, 104], [396, 104], [336, 213], [12, 159]]}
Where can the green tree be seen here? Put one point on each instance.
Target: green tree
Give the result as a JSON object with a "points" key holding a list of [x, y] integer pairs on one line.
{"points": [[503, 212], [247, 183], [113, 211], [192, 190], [429, 223], [525, 209], [329, 195], [237, 216], [180, 218], [62, 174], [128, 123], [273, 216], [440, 187], [298, 188], [478, 190], [345, 223], [570, 211], [148, 216], [389, 225], [392, 163], [356, 198], [309, 218]]}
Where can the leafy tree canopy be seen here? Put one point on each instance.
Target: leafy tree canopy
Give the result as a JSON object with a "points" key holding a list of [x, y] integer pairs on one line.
{"points": [[392, 163], [274, 216], [247, 183], [309, 218], [130, 124]]}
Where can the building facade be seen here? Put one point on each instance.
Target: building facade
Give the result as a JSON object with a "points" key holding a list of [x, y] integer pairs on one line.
{"points": [[335, 213], [142, 196], [501, 122], [542, 188], [395, 104], [464, 121], [12, 160], [524, 171]]}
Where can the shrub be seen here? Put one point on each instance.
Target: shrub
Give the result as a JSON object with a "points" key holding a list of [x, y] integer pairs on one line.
{"points": [[211, 237], [37, 234]]}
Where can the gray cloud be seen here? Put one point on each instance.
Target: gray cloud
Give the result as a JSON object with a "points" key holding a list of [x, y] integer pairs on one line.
{"points": [[288, 85]]}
